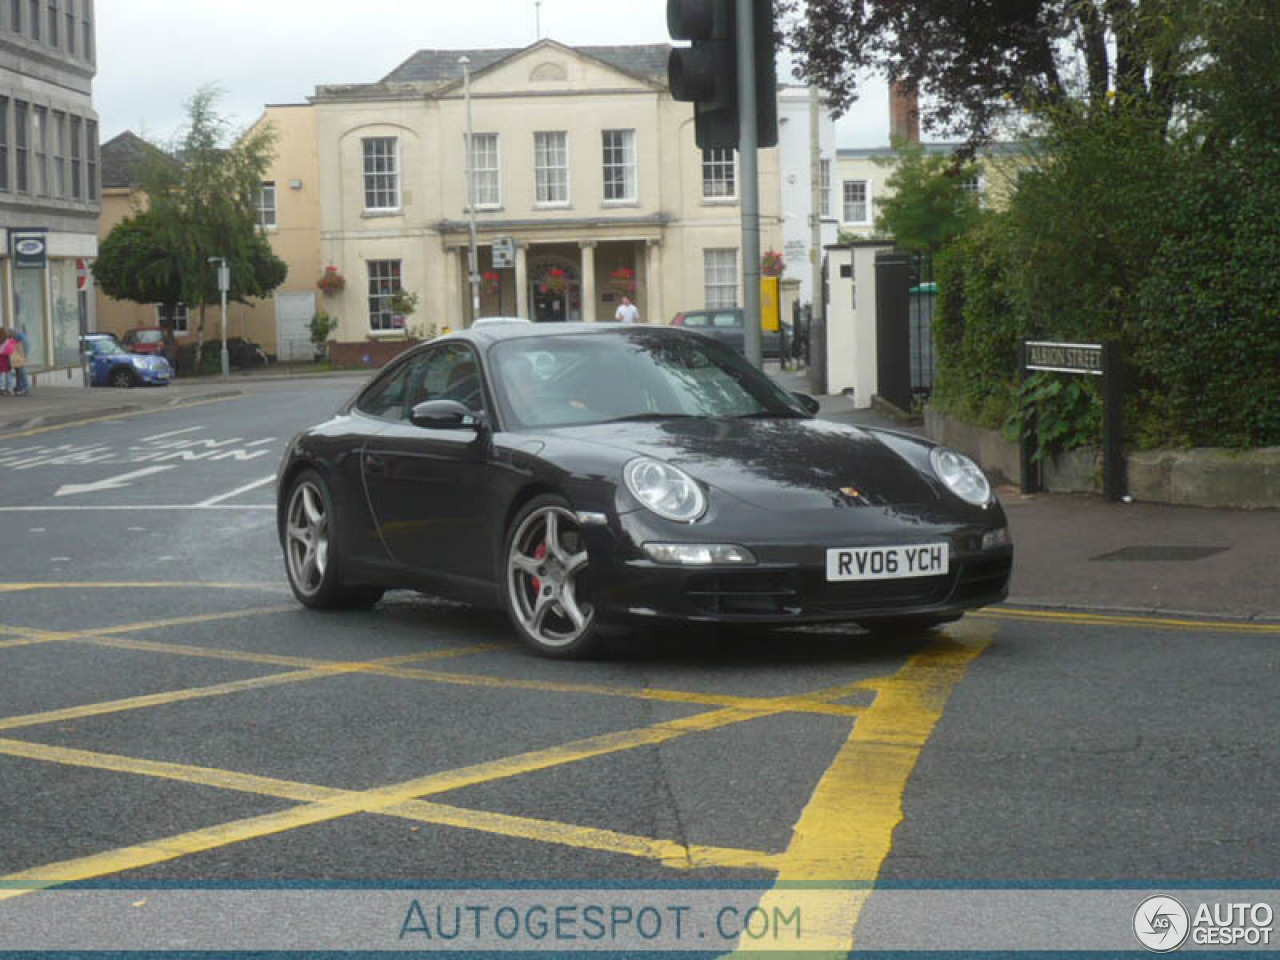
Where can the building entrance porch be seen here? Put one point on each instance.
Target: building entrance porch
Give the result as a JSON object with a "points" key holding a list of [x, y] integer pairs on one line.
{"points": [[562, 281]]}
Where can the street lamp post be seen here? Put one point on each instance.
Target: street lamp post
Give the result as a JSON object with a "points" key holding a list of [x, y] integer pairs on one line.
{"points": [[473, 258], [224, 284]]}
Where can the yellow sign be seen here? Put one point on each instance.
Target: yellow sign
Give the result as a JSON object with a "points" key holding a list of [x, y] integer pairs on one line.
{"points": [[770, 315]]}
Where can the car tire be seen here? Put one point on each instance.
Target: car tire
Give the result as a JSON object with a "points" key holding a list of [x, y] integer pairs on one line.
{"points": [[123, 377], [546, 581], [312, 565]]}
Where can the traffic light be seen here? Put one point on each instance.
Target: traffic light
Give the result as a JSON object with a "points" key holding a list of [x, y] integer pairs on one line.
{"points": [[706, 73]]}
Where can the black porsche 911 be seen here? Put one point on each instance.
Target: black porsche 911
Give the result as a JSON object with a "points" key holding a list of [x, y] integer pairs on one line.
{"points": [[590, 476]]}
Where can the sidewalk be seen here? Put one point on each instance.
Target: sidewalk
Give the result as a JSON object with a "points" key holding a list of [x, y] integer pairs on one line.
{"points": [[1074, 552], [50, 406], [1081, 552]]}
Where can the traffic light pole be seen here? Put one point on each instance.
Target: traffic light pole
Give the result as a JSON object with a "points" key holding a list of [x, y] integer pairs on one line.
{"points": [[748, 152]]}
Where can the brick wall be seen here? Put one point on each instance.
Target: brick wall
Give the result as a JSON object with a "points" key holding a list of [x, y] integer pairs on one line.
{"points": [[367, 354], [904, 113]]}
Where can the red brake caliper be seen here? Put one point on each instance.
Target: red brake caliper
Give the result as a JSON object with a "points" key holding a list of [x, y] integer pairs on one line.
{"points": [[539, 554]]}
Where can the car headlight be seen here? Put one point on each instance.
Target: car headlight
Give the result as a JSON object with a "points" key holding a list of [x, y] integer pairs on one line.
{"points": [[140, 362], [666, 490], [962, 476]]}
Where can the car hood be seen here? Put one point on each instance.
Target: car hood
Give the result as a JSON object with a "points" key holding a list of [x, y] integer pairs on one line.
{"points": [[776, 464]]}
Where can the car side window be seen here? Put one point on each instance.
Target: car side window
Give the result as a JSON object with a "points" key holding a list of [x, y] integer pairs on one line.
{"points": [[726, 320], [385, 399], [448, 372], [695, 320]]}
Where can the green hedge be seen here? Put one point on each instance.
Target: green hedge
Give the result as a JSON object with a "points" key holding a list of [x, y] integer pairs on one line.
{"points": [[1171, 247]]}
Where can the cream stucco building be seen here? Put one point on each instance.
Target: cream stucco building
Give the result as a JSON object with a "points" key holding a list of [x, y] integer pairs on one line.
{"points": [[862, 175], [585, 169]]}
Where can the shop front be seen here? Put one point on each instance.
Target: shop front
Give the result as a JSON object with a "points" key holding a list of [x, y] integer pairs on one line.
{"points": [[44, 294]]}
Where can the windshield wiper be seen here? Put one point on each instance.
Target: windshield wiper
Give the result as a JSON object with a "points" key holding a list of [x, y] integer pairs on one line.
{"points": [[769, 415], [652, 415]]}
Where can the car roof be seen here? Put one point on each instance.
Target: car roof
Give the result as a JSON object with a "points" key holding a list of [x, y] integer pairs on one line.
{"points": [[488, 333]]}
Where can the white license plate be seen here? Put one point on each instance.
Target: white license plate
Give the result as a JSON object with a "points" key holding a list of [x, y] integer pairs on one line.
{"points": [[887, 563]]}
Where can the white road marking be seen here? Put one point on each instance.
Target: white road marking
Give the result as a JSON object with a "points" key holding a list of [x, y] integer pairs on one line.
{"points": [[111, 483], [137, 530], [237, 491], [171, 433], [37, 530]]}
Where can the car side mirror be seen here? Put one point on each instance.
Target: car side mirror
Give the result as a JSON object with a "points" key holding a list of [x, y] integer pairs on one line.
{"points": [[445, 415], [808, 402]]}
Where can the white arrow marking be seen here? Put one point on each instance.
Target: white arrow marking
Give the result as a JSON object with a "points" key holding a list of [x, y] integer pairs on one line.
{"points": [[111, 483]]}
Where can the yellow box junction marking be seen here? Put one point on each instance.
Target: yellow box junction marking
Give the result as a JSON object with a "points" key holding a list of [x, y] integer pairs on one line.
{"points": [[839, 843], [376, 800], [405, 799], [846, 831], [1143, 621]]}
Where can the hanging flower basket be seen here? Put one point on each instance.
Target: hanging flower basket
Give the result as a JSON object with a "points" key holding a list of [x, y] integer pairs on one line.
{"points": [[772, 263], [623, 281], [331, 282], [556, 281], [490, 283]]}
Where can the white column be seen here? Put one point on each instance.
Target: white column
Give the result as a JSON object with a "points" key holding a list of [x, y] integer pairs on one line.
{"points": [[652, 311], [588, 281], [454, 272], [522, 281]]}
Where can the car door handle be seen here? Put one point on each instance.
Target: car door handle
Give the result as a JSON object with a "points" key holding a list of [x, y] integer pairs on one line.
{"points": [[374, 464]]}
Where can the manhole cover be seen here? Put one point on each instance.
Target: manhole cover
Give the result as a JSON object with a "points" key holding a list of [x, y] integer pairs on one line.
{"points": [[1161, 554]]}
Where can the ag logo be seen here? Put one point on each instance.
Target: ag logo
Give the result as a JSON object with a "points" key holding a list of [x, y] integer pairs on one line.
{"points": [[1161, 924], [30, 247]]}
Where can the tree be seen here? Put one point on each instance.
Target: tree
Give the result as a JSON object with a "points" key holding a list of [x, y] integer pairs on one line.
{"points": [[928, 205], [977, 62], [200, 202]]}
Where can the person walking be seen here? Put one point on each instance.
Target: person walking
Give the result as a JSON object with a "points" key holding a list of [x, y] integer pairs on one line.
{"points": [[626, 312], [7, 346], [21, 386]]}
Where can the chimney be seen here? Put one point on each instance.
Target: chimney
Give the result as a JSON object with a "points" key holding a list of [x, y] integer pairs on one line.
{"points": [[904, 112]]}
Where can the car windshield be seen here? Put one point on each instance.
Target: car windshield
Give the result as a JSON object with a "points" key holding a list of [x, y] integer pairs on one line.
{"points": [[106, 348], [149, 336], [635, 375]]}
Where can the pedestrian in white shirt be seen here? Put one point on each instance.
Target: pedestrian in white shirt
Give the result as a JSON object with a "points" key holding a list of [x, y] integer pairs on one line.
{"points": [[627, 312]]}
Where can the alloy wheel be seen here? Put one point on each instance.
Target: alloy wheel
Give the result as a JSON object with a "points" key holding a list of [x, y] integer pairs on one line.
{"points": [[307, 538], [545, 578]]}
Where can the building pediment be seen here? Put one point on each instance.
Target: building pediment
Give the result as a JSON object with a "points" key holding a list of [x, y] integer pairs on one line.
{"points": [[544, 67]]}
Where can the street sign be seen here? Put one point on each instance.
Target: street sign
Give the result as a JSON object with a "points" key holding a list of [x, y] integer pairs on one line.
{"points": [[1092, 359], [504, 253], [1065, 357], [82, 274]]}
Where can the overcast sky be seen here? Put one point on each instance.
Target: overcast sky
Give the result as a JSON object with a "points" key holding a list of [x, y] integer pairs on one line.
{"points": [[154, 54]]}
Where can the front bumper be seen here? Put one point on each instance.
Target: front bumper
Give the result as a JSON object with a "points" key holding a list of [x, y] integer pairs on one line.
{"points": [[788, 584], [155, 378]]}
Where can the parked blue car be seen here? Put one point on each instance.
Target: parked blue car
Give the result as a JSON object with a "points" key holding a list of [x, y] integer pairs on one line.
{"points": [[111, 365]]}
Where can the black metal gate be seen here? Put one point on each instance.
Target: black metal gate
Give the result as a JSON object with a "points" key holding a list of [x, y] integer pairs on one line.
{"points": [[905, 298]]}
